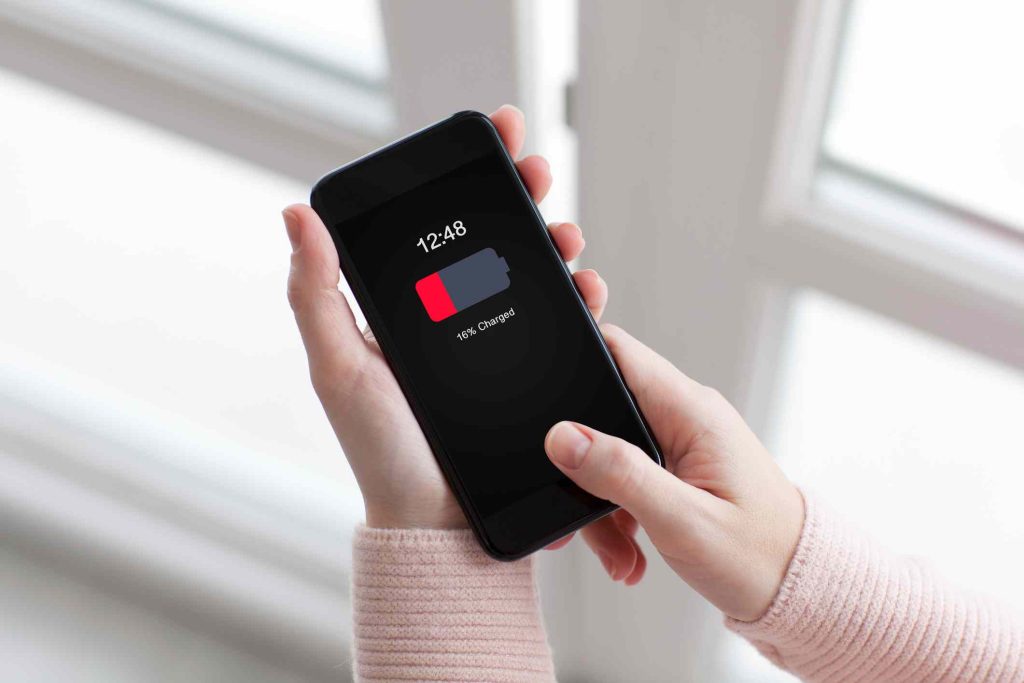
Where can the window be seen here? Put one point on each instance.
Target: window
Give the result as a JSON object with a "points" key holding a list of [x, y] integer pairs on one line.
{"points": [[930, 434], [831, 235], [316, 65], [927, 98], [912, 439], [162, 448], [338, 34], [97, 204]]}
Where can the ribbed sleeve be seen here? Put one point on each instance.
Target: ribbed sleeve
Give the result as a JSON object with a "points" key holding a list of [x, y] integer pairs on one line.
{"points": [[848, 610], [429, 605]]}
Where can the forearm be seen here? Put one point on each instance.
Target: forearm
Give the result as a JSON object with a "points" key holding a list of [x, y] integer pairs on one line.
{"points": [[849, 610], [430, 605]]}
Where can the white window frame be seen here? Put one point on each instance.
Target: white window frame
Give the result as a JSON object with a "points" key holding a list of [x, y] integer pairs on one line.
{"points": [[699, 125], [268, 547], [976, 257], [133, 58]]}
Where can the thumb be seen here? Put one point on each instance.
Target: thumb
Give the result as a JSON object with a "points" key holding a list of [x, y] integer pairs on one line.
{"points": [[332, 339], [618, 471]]}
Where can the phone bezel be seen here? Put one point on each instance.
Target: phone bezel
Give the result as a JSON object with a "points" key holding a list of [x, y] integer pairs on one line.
{"points": [[375, 322]]}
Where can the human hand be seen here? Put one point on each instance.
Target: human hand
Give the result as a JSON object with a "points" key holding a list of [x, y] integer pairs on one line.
{"points": [[721, 513], [401, 482]]}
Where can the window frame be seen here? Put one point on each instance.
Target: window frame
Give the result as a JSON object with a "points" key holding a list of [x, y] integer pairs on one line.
{"points": [[979, 259], [225, 513], [698, 152], [125, 56]]}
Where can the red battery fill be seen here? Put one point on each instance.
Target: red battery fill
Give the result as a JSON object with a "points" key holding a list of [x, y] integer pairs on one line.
{"points": [[435, 297], [458, 286]]}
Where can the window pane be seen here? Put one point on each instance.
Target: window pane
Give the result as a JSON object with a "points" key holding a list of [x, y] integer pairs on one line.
{"points": [[928, 95], [151, 269], [917, 440], [344, 34]]}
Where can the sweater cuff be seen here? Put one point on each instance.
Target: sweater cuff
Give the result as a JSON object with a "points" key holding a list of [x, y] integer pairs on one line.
{"points": [[786, 619], [848, 609], [430, 605]]}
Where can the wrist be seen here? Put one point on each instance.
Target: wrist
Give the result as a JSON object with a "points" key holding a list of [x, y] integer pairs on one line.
{"points": [[785, 537], [447, 516]]}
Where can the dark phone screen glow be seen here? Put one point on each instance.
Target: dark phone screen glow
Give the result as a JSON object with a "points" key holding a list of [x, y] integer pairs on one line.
{"points": [[489, 333]]}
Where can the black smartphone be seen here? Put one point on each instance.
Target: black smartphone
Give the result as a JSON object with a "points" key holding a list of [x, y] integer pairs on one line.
{"points": [[481, 323]]}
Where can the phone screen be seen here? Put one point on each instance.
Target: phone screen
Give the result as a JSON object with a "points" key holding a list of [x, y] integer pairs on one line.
{"points": [[482, 321]]}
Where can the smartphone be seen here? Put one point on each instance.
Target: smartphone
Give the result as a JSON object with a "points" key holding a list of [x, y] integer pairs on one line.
{"points": [[481, 323]]}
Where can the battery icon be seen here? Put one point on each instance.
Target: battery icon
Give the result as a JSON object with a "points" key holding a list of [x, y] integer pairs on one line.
{"points": [[466, 282]]}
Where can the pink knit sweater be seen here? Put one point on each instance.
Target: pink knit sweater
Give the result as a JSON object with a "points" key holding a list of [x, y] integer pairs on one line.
{"points": [[429, 605]]}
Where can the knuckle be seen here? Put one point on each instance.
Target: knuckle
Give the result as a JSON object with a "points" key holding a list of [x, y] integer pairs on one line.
{"points": [[295, 291], [612, 335], [324, 384], [294, 297], [625, 473], [713, 397], [334, 382], [305, 297]]}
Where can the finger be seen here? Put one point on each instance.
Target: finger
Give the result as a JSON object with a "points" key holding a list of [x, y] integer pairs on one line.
{"points": [[627, 526], [594, 291], [612, 547], [568, 238], [675, 405], [511, 125], [536, 174], [640, 568], [560, 543], [616, 470], [328, 328], [626, 522]]}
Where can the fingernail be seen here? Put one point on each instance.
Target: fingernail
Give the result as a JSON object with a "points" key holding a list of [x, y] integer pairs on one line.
{"points": [[291, 226], [567, 445], [607, 562], [512, 107]]}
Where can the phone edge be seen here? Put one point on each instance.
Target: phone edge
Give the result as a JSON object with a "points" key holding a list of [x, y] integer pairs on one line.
{"points": [[376, 325]]}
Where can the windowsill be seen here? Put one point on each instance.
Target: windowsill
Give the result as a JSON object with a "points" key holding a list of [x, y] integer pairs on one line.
{"points": [[956, 247], [187, 523], [200, 57]]}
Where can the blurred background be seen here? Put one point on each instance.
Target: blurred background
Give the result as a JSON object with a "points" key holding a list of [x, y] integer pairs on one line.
{"points": [[817, 207]]}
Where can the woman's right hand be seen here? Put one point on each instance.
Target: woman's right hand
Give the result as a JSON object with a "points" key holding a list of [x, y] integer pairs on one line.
{"points": [[721, 513]]}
